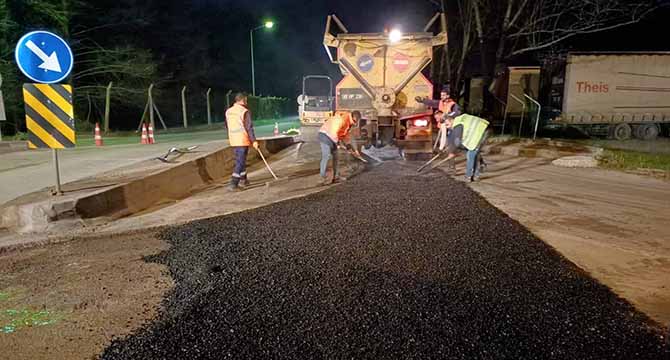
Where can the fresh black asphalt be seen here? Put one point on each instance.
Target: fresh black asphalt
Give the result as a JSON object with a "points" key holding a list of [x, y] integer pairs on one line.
{"points": [[388, 265]]}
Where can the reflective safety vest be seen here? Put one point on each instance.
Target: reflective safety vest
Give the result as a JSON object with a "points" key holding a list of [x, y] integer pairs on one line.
{"points": [[474, 129], [237, 132], [337, 127], [446, 106]]}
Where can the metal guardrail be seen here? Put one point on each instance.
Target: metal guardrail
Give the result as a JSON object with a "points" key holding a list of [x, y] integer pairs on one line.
{"points": [[537, 118], [523, 111]]}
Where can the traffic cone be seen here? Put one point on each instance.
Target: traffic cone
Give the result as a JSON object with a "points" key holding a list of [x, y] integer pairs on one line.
{"points": [[276, 131], [97, 136], [152, 140], [145, 139]]}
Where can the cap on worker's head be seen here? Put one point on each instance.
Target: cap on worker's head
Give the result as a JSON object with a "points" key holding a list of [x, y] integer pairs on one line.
{"points": [[240, 96], [355, 116], [445, 89], [345, 115]]}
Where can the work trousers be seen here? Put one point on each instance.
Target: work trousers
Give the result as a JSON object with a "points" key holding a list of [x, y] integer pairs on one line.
{"points": [[328, 151], [474, 158], [471, 165], [240, 169]]}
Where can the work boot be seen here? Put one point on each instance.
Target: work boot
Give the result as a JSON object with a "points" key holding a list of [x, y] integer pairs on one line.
{"points": [[244, 183], [324, 181], [467, 178], [233, 188], [338, 179], [475, 178]]}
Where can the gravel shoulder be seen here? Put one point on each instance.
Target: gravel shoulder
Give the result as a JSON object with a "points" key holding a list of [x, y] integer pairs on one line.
{"points": [[69, 300]]}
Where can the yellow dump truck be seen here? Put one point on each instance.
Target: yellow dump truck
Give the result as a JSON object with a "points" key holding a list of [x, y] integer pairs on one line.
{"points": [[622, 95], [383, 74]]}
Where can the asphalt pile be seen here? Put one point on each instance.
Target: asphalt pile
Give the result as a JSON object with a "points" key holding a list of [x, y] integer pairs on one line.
{"points": [[386, 265]]}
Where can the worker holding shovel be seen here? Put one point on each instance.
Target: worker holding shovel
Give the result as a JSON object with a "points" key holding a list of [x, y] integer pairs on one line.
{"points": [[335, 130], [240, 136], [466, 132]]}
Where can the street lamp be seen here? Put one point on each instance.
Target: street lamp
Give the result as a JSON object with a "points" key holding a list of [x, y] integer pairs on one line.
{"points": [[267, 25]]}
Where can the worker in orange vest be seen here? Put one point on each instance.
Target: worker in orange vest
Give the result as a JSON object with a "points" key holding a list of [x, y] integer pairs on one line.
{"points": [[335, 130], [240, 137], [446, 104]]}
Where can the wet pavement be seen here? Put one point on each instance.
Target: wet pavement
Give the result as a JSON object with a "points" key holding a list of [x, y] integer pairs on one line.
{"points": [[386, 265]]}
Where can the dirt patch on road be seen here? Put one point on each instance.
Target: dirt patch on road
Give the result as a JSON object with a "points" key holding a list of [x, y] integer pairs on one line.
{"points": [[68, 301]]}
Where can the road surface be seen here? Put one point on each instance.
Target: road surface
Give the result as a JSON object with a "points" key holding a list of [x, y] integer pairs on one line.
{"points": [[382, 268], [28, 171]]}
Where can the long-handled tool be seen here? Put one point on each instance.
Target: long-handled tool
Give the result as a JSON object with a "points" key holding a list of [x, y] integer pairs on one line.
{"points": [[429, 162], [267, 165], [353, 154]]}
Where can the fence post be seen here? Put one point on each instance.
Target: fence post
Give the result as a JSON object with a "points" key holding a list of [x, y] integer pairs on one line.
{"points": [[209, 107], [108, 98], [151, 106], [183, 106], [228, 99]]}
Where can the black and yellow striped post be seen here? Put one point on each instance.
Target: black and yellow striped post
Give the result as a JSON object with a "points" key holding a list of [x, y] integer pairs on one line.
{"points": [[50, 119], [49, 116]]}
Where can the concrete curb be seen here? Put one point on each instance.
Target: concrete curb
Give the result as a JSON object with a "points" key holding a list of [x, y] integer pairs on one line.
{"points": [[133, 196], [13, 146]]}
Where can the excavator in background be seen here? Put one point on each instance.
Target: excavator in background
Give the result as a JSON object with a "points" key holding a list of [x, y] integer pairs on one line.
{"points": [[383, 74]]}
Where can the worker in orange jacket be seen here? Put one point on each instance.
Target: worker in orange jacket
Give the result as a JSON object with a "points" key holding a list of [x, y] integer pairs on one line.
{"points": [[240, 137], [335, 130]]}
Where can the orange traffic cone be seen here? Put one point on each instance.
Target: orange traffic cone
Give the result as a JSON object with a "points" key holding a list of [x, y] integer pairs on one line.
{"points": [[145, 139], [97, 136], [276, 130], [152, 140]]}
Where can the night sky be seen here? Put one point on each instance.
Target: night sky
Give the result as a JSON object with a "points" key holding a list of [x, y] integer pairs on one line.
{"points": [[294, 48]]}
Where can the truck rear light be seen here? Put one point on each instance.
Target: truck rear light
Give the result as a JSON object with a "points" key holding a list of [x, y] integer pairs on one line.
{"points": [[421, 122]]}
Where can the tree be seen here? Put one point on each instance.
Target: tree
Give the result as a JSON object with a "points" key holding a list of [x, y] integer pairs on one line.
{"points": [[507, 29]]}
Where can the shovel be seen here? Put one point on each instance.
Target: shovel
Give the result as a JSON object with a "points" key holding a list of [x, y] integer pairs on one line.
{"points": [[428, 163]]}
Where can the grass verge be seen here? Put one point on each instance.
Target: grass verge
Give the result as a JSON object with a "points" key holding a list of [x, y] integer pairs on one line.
{"points": [[656, 164]]}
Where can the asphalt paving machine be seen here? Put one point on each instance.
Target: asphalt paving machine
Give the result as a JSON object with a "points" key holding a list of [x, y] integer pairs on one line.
{"points": [[383, 74]]}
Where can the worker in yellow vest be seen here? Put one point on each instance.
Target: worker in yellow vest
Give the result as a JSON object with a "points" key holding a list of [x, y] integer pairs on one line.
{"points": [[466, 132], [335, 130], [240, 137]]}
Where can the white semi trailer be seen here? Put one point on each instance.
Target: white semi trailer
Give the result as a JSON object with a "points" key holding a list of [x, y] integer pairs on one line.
{"points": [[623, 95]]}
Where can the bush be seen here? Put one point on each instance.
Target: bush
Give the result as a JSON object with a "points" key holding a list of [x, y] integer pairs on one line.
{"points": [[20, 136]]}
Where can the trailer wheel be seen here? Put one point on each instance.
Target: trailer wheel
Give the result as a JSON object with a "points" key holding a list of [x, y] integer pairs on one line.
{"points": [[621, 131], [647, 132]]}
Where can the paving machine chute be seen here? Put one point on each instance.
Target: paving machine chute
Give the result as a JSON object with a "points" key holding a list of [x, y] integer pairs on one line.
{"points": [[382, 76]]}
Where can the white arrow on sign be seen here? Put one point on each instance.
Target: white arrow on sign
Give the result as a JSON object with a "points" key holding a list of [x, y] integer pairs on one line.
{"points": [[49, 62]]}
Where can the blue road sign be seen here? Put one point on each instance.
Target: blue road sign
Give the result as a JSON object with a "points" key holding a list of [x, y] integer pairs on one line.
{"points": [[44, 57], [365, 63]]}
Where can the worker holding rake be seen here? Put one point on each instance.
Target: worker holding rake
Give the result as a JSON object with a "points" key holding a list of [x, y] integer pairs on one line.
{"points": [[240, 136]]}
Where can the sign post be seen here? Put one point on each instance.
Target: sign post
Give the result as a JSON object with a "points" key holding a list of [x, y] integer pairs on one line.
{"points": [[47, 59], [3, 116]]}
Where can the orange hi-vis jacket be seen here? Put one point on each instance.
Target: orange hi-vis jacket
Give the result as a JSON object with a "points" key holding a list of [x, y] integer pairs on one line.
{"points": [[447, 106], [236, 118], [337, 127]]}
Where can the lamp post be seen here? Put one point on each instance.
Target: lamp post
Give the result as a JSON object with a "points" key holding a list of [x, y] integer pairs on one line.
{"points": [[267, 25]]}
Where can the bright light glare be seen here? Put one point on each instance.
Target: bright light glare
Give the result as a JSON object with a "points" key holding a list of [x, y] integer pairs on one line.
{"points": [[395, 35], [420, 122], [269, 24]]}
